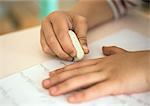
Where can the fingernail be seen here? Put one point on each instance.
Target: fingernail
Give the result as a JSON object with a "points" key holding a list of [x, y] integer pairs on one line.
{"points": [[86, 50], [46, 83], [71, 99], [54, 90]]}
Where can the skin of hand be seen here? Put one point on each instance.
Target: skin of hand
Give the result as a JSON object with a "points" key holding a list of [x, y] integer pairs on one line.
{"points": [[95, 11], [54, 29], [120, 72], [54, 34]]}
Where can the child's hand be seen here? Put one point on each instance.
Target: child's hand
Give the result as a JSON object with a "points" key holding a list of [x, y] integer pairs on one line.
{"points": [[120, 72], [54, 34]]}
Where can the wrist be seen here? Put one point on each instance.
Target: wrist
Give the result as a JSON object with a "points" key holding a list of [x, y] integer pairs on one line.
{"points": [[96, 12]]}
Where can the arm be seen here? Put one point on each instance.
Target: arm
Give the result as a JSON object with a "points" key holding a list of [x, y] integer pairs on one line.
{"points": [[96, 11], [100, 11], [85, 15]]}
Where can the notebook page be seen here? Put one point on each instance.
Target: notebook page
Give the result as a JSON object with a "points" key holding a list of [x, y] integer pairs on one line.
{"points": [[24, 88]]}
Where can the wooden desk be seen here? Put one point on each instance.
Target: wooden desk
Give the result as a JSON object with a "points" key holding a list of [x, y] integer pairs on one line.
{"points": [[20, 50]]}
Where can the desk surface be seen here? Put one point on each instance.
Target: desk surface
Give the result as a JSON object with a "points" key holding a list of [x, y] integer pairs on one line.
{"points": [[20, 50]]}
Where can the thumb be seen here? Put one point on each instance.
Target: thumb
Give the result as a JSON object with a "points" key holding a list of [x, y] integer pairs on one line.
{"points": [[112, 50], [80, 28]]}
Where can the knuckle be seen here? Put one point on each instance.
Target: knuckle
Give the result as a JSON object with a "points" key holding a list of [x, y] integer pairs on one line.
{"points": [[66, 84], [55, 14], [82, 19], [105, 74], [62, 36], [68, 67], [110, 74], [96, 65], [83, 39], [58, 77], [45, 21]]}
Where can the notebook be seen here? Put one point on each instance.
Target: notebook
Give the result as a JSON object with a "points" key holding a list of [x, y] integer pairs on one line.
{"points": [[24, 88]]}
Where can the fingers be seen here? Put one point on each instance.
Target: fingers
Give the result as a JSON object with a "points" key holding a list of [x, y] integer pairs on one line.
{"points": [[44, 44], [80, 28], [61, 29], [53, 42], [66, 75], [112, 50], [73, 83], [75, 66], [81, 64], [101, 89], [55, 34]]}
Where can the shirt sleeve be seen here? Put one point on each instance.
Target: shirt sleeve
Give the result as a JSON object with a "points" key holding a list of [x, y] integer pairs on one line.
{"points": [[120, 7]]}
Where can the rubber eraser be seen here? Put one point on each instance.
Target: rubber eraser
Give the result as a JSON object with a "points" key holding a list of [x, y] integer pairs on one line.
{"points": [[77, 46]]}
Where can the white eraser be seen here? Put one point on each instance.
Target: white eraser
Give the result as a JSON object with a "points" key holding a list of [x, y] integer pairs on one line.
{"points": [[77, 46]]}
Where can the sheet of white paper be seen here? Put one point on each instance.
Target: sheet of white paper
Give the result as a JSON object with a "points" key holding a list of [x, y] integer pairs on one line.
{"points": [[24, 88]]}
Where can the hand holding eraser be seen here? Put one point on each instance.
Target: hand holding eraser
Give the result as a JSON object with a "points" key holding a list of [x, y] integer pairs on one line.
{"points": [[77, 46]]}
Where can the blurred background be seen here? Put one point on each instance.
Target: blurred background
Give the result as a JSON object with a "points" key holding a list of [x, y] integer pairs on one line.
{"points": [[20, 14]]}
